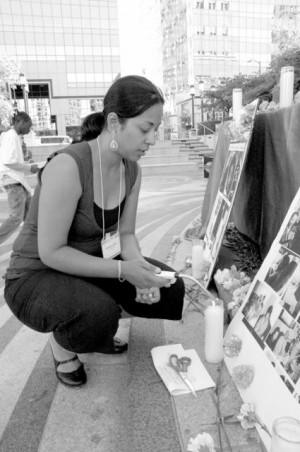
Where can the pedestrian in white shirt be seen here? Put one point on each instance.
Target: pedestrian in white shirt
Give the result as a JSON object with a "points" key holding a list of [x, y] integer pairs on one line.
{"points": [[13, 170]]}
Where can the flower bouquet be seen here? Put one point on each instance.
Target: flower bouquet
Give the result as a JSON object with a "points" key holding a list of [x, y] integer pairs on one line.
{"points": [[232, 286]]}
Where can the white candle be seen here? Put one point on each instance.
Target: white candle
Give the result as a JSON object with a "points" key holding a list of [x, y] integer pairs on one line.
{"points": [[237, 96], [197, 258], [286, 435], [213, 331], [286, 96]]}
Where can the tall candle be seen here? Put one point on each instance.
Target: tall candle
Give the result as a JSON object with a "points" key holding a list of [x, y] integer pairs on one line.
{"points": [[213, 331], [286, 96], [197, 258], [285, 435]]}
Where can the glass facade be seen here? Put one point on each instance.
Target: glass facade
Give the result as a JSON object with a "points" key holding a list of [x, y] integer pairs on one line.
{"points": [[72, 46]]}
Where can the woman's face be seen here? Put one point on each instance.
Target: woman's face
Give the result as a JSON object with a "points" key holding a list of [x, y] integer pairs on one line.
{"points": [[138, 133]]}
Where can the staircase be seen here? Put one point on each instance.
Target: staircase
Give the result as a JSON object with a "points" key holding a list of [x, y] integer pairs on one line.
{"points": [[196, 150], [166, 158]]}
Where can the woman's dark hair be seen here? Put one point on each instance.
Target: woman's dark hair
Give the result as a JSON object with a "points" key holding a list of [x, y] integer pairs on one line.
{"points": [[91, 126], [128, 97]]}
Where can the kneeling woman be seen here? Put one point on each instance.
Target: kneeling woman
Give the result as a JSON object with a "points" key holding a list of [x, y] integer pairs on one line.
{"points": [[76, 259]]}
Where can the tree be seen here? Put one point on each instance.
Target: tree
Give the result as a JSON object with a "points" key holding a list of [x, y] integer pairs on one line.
{"points": [[9, 76], [251, 85], [290, 57], [254, 85]]}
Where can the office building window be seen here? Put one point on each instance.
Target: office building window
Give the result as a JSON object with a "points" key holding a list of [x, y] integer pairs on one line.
{"points": [[225, 6]]}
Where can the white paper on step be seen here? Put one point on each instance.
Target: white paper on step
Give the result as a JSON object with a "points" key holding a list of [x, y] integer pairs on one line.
{"points": [[197, 373]]}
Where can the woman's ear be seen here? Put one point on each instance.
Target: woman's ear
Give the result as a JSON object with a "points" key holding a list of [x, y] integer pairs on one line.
{"points": [[113, 123]]}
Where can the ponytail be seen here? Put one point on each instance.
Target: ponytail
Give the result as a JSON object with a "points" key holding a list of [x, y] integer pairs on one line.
{"points": [[92, 126]]}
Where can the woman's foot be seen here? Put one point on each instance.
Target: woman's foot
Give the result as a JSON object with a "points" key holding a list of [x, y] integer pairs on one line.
{"points": [[69, 370], [119, 346]]}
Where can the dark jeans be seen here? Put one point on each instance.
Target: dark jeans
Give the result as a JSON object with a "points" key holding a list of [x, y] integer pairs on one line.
{"points": [[83, 313], [18, 204]]}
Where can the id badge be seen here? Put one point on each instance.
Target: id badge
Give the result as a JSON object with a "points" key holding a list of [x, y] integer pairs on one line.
{"points": [[111, 246]]}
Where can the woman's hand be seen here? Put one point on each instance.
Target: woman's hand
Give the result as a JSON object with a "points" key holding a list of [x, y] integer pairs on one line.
{"points": [[147, 296], [142, 274]]}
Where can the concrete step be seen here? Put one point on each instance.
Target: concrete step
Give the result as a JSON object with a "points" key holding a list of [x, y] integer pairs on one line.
{"points": [[193, 145], [168, 158], [162, 144], [163, 151], [170, 168], [195, 148], [201, 152]]}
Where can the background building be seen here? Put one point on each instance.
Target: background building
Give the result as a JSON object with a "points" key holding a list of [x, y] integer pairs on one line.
{"points": [[72, 50], [208, 39], [69, 51]]}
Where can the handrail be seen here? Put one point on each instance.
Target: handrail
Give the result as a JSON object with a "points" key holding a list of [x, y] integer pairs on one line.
{"points": [[189, 134], [205, 127]]}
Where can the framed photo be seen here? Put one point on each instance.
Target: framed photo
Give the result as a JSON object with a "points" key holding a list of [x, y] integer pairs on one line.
{"points": [[221, 210]]}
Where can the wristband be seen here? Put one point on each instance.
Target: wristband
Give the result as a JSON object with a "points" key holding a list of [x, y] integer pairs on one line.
{"points": [[120, 272]]}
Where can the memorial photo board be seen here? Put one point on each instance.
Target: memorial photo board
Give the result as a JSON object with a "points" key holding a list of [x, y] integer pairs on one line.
{"points": [[268, 326], [224, 200]]}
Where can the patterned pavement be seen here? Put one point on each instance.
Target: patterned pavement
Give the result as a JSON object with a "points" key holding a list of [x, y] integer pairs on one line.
{"points": [[29, 392]]}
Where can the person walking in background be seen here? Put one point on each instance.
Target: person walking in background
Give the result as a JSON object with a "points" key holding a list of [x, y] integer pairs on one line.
{"points": [[77, 261], [12, 174], [26, 153]]}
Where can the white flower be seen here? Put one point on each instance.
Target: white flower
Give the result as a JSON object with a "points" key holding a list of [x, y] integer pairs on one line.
{"points": [[248, 418], [226, 274], [227, 285], [202, 443], [247, 415], [231, 305]]}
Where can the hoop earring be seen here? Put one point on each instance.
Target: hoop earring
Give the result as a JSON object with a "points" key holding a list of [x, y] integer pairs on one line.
{"points": [[113, 144]]}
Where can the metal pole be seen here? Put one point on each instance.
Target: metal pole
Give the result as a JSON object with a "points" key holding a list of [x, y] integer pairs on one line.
{"points": [[25, 98], [193, 113]]}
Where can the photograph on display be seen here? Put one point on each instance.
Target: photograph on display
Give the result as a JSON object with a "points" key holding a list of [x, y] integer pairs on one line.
{"points": [[216, 227], [261, 312], [291, 297], [281, 270], [268, 326], [231, 173]]}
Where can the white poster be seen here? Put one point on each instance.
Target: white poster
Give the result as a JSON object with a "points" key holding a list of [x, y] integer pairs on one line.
{"points": [[268, 326]]}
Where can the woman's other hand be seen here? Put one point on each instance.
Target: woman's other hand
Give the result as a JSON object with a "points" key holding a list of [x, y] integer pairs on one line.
{"points": [[147, 296], [142, 274]]}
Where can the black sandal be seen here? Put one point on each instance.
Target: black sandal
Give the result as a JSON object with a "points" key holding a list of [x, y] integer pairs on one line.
{"points": [[75, 378], [119, 346]]}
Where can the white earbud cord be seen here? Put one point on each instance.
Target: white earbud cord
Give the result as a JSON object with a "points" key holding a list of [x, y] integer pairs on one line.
{"points": [[102, 197]]}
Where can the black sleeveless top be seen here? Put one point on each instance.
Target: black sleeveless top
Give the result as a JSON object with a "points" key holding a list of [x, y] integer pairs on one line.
{"points": [[85, 233]]}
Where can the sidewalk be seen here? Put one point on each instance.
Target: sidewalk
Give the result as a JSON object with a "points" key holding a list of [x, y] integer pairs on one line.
{"points": [[124, 407]]}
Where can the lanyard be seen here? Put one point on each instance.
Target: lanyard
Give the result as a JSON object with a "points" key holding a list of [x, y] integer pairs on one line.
{"points": [[102, 198]]}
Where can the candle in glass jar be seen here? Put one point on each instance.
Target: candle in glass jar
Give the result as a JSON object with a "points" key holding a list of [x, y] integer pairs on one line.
{"points": [[213, 331], [285, 435], [197, 258]]}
